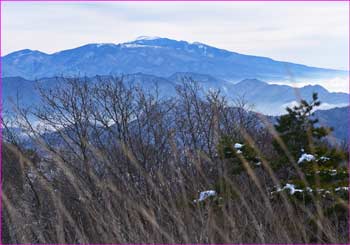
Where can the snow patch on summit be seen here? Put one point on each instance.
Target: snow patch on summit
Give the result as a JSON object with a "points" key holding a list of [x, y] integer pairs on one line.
{"points": [[135, 45], [98, 45], [147, 38]]}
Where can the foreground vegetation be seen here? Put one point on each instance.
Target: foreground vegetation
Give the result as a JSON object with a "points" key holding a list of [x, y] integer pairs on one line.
{"points": [[109, 163]]}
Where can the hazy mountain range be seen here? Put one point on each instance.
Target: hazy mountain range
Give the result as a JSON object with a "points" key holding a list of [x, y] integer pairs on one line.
{"points": [[165, 62], [270, 99], [159, 57]]}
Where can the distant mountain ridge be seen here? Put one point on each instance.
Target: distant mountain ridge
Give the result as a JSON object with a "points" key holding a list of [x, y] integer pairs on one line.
{"points": [[157, 56], [270, 99]]}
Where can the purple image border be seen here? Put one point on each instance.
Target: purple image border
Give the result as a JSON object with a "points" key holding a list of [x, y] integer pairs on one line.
{"points": [[1, 101]]}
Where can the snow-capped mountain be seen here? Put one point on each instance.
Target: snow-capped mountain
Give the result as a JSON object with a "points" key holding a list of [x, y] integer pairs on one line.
{"points": [[159, 57]]}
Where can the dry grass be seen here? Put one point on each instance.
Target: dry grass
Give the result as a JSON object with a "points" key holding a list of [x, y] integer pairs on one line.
{"points": [[137, 184]]}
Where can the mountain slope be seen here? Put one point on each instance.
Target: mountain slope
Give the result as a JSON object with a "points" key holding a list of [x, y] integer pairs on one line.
{"points": [[338, 119], [156, 56]]}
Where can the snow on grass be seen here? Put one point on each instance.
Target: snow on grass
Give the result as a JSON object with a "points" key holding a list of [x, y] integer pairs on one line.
{"points": [[238, 148], [333, 172], [306, 157], [292, 188], [345, 188], [324, 159], [308, 189], [205, 194]]}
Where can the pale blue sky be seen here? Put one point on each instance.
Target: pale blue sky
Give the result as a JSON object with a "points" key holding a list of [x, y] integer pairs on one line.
{"points": [[311, 33]]}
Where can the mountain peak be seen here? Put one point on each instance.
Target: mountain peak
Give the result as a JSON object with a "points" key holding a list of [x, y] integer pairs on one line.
{"points": [[315, 88], [26, 52]]}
